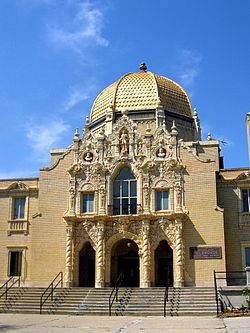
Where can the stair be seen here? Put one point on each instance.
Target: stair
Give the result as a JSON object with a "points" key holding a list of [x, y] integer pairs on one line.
{"points": [[131, 301], [182, 302], [25, 300], [191, 302]]}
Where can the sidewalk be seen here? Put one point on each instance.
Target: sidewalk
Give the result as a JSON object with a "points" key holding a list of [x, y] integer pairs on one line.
{"points": [[20, 323]]}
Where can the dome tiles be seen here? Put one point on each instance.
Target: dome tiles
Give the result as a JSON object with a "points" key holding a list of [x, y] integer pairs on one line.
{"points": [[141, 91]]}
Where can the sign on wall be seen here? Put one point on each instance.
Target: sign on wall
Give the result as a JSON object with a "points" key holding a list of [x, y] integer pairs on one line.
{"points": [[208, 252]]}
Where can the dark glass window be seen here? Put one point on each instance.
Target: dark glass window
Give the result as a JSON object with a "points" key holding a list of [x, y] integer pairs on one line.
{"points": [[247, 254], [87, 203], [15, 263], [19, 208], [245, 200], [125, 193], [162, 200]]}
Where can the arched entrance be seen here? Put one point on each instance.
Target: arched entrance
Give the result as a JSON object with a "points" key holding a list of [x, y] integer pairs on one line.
{"points": [[163, 264], [125, 258], [87, 266]]}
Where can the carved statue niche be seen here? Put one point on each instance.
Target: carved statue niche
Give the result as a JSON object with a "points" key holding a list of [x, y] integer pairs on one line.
{"points": [[124, 141]]}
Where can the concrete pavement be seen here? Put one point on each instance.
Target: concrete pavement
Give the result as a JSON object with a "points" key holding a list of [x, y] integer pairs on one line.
{"points": [[21, 323]]}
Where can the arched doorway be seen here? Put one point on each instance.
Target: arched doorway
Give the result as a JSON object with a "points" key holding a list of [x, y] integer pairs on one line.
{"points": [[125, 258], [163, 264], [87, 266]]}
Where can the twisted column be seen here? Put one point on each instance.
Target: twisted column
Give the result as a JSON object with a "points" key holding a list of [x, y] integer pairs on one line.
{"points": [[146, 255], [100, 256], [68, 266], [179, 254]]}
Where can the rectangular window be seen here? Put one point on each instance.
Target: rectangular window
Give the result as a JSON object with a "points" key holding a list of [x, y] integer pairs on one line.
{"points": [[87, 203], [247, 256], [19, 208], [245, 200], [15, 263], [162, 200]]}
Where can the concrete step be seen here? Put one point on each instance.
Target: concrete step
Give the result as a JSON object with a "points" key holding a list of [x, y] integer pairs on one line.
{"points": [[134, 301]]}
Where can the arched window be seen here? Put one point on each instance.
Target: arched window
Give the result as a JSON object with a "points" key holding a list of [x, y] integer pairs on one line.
{"points": [[124, 193]]}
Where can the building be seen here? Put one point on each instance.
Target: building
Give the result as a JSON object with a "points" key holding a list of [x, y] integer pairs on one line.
{"points": [[139, 192]]}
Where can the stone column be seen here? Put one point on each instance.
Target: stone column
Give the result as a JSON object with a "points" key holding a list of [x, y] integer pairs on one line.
{"points": [[69, 247], [100, 281], [179, 277], [146, 282]]}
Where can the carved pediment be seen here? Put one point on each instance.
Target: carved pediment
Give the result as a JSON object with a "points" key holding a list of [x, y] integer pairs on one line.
{"points": [[244, 176], [19, 186]]}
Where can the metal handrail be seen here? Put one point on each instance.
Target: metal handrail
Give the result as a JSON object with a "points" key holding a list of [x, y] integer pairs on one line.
{"points": [[165, 300], [51, 293], [7, 288], [216, 294], [217, 299], [115, 290], [166, 296]]}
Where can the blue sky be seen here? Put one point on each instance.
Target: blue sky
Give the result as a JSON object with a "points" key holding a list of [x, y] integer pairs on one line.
{"points": [[57, 55]]}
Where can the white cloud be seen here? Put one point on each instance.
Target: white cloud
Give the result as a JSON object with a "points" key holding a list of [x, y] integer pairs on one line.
{"points": [[43, 137], [84, 30], [78, 96], [189, 68]]}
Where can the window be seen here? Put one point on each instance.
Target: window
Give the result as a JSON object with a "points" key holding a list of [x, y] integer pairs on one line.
{"points": [[19, 208], [125, 193], [162, 200], [15, 263], [87, 203], [247, 256], [245, 200]]}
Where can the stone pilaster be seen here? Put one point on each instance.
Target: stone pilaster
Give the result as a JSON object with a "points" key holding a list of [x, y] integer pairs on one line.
{"points": [[179, 278], [146, 282], [69, 247], [100, 281]]}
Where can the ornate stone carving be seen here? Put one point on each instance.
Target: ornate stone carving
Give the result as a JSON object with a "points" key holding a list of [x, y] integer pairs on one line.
{"points": [[168, 228]]}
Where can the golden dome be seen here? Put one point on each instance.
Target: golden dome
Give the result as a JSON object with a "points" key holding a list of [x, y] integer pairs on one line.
{"points": [[142, 91]]}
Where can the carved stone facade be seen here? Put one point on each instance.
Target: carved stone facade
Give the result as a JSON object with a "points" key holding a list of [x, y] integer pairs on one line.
{"points": [[135, 192]]}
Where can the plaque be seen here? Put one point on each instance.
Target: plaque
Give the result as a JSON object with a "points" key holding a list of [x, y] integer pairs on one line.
{"points": [[208, 252]]}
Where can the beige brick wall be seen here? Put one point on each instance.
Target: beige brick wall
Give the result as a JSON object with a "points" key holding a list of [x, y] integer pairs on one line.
{"points": [[49, 230], [205, 225]]}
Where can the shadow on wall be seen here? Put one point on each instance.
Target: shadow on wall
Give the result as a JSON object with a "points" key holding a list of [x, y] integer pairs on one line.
{"points": [[189, 230]]}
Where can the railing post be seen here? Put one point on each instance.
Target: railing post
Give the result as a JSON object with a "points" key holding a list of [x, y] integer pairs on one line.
{"points": [[6, 290], [52, 290]]}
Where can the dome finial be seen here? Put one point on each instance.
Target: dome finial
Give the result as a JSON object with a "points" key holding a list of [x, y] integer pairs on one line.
{"points": [[143, 67]]}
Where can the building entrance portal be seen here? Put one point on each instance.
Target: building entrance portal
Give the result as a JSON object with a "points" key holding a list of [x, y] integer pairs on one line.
{"points": [[87, 266], [163, 264], [125, 258]]}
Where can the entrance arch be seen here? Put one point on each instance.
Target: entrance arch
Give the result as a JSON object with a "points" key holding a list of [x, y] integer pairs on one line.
{"points": [[87, 266], [163, 264], [125, 258]]}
